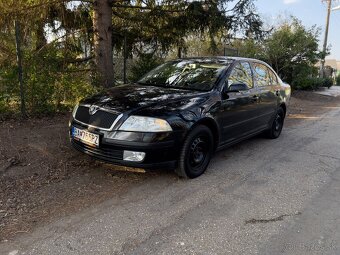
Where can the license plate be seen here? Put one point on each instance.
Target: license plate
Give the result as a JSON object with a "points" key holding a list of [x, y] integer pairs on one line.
{"points": [[85, 136]]}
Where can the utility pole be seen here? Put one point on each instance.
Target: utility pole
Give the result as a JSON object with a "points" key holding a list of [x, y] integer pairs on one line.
{"points": [[322, 66], [19, 61]]}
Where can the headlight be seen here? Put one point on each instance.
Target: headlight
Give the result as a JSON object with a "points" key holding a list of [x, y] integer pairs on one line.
{"points": [[75, 110], [145, 124]]}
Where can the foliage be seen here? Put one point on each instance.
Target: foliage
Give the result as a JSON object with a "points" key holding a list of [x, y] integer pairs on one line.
{"points": [[51, 84], [55, 76], [338, 80], [291, 49], [58, 42], [250, 48], [164, 25], [143, 65], [312, 83], [327, 82]]}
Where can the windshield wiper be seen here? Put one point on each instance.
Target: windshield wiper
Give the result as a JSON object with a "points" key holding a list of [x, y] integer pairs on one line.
{"points": [[152, 84]]}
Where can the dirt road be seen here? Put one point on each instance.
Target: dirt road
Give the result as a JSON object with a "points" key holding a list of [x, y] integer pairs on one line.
{"points": [[259, 197]]}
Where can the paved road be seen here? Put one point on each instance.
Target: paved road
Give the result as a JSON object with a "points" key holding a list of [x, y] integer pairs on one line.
{"points": [[333, 91], [259, 197]]}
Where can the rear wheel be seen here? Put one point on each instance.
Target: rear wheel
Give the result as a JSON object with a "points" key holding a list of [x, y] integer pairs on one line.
{"points": [[196, 152], [276, 128]]}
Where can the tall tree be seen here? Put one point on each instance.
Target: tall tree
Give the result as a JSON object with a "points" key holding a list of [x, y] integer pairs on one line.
{"points": [[60, 37], [102, 28], [166, 23]]}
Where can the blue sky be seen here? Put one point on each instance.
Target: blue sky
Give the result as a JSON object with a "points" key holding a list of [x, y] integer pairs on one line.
{"points": [[311, 12]]}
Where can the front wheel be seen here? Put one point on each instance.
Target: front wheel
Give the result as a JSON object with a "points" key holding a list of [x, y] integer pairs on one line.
{"points": [[196, 152], [276, 128]]}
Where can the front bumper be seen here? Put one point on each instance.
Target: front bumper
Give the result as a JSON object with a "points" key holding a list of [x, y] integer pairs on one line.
{"points": [[159, 154]]}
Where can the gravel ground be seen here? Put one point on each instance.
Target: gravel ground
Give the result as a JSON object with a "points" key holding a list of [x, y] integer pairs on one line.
{"points": [[54, 200]]}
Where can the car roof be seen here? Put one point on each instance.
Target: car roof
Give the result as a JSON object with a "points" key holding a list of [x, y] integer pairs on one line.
{"points": [[226, 58], [230, 58]]}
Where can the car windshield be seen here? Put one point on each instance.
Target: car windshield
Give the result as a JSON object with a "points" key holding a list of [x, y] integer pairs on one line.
{"points": [[186, 74]]}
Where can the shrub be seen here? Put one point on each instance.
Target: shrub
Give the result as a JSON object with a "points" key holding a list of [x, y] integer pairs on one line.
{"points": [[50, 84], [327, 82], [338, 80], [312, 83]]}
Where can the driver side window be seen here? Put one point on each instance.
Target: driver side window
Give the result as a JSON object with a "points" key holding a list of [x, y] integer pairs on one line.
{"points": [[241, 73]]}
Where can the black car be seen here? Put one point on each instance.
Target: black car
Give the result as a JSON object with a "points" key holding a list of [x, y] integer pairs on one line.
{"points": [[180, 113]]}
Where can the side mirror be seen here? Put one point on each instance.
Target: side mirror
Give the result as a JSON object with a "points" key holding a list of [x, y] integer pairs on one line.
{"points": [[237, 87]]}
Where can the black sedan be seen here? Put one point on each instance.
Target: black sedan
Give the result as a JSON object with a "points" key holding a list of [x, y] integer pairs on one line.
{"points": [[180, 113]]}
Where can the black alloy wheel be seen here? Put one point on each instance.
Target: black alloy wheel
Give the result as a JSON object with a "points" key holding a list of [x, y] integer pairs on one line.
{"points": [[196, 152], [276, 128]]}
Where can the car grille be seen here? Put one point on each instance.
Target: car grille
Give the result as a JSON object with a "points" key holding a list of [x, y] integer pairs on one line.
{"points": [[101, 119], [105, 153]]}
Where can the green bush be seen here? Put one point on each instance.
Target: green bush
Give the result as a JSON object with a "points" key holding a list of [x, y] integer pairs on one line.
{"points": [[312, 83], [327, 82], [143, 65], [50, 84], [338, 80]]}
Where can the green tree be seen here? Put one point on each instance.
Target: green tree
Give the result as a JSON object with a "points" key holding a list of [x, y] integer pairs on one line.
{"points": [[163, 25], [292, 50], [102, 27], [53, 71], [67, 44], [249, 48]]}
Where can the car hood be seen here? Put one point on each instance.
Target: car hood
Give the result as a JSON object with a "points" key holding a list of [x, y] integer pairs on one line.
{"points": [[133, 98]]}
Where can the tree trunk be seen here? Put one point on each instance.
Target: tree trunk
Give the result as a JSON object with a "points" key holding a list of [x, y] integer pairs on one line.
{"points": [[179, 52], [102, 25], [41, 39], [19, 61]]}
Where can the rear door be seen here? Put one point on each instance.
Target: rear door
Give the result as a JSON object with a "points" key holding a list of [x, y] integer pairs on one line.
{"points": [[239, 110], [266, 85]]}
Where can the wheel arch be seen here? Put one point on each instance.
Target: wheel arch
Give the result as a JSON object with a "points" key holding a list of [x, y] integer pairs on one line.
{"points": [[284, 107], [212, 125]]}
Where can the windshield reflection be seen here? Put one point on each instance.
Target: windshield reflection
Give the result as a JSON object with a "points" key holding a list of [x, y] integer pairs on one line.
{"points": [[191, 74]]}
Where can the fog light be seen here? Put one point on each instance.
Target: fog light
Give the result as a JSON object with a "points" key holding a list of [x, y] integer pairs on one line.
{"points": [[134, 156]]}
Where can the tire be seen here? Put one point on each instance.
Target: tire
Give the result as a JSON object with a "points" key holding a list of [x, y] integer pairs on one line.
{"points": [[196, 153], [275, 130]]}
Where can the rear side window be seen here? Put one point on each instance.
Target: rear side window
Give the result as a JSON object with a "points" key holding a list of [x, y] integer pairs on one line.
{"points": [[262, 75], [241, 73], [273, 77]]}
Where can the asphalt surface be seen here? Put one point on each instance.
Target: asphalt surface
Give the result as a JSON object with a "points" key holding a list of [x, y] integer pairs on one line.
{"points": [[333, 91], [259, 197]]}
